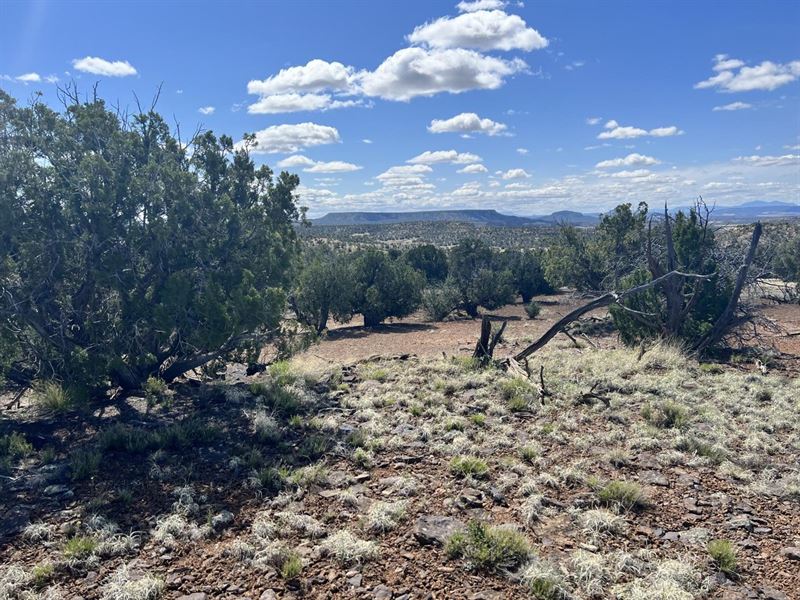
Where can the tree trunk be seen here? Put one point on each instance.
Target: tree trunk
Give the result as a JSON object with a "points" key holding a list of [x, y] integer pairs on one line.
{"points": [[726, 318]]}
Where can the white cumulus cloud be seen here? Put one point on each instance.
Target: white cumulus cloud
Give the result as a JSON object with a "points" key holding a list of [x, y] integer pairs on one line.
{"points": [[413, 72], [444, 156], [291, 138], [334, 166], [631, 160], [733, 75], [101, 66], [481, 30], [29, 78], [206, 110], [733, 106], [315, 76], [514, 174], [480, 5], [467, 123], [474, 168], [770, 161], [613, 130], [295, 160]]}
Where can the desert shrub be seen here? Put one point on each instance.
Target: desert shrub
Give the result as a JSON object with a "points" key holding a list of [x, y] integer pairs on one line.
{"points": [[439, 301], [469, 465], [430, 261], [478, 274], [532, 309], [323, 289], [527, 271], [84, 464], [167, 258], [787, 259], [384, 287], [54, 397], [488, 548], [292, 566], [624, 494], [683, 309], [13, 446], [576, 260], [724, 556], [79, 547], [666, 415]]}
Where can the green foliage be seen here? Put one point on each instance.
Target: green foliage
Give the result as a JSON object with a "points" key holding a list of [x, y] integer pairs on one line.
{"points": [[527, 270], [469, 465], [518, 393], [439, 301], [84, 464], [576, 259], [648, 315], [13, 446], [533, 309], [323, 289], [666, 415], [621, 237], [79, 547], [478, 273], [724, 556], [188, 433], [54, 398], [292, 567], [623, 494], [384, 287], [130, 252], [429, 260], [787, 259], [489, 548]]}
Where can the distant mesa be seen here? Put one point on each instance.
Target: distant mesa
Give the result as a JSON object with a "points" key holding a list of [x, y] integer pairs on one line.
{"points": [[750, 211]]}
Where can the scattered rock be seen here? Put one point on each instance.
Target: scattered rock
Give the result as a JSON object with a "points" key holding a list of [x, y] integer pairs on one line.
{"points": [[772, 594], [791, 552], [740, 522], [654, 478], [381, 592], [268, 595], [470, 498], [355, 580], [194, 596], [436, 529], [56, 489]]}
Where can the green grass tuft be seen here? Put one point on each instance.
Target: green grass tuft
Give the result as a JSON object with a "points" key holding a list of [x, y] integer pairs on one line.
{"points": [[488, 548]]}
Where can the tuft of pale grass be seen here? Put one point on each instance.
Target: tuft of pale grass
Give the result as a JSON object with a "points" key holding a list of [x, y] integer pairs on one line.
{"points": [[124, 584], [347, 549], [385, 516]]}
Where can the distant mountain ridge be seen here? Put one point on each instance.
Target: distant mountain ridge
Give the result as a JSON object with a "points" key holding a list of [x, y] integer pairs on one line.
{"points": [[750, 211]]}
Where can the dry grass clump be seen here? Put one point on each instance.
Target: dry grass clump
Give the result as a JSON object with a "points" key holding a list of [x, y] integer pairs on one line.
{"points": [[125, 584], [622, 494], [487, 548], [385, 516], [599, 520], [347, 549], [469, 465], [671, 580]]}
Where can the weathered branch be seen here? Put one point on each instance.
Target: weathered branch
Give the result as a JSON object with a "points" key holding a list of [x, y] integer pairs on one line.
{"points": [[724, 321], [600, 302]]}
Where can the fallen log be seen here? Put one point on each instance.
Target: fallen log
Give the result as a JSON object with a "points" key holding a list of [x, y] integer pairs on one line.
{"points": [[604, 300]]}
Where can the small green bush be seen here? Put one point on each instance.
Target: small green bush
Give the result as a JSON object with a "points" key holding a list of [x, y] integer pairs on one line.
{"points": [[79, 547], [54, 398], [489, 548], [84, 464], [666, 415], [155, 387], [518, 393], [469, 465], [624, 494], [292, 567], [724, 555], [533, 309], [438, 302], [528, 453]]}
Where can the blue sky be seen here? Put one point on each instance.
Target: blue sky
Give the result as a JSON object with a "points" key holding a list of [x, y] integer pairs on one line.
{"points": [[522, 107]]}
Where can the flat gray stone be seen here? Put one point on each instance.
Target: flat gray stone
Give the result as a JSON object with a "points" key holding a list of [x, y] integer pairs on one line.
{"points": [[436, 529]]}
